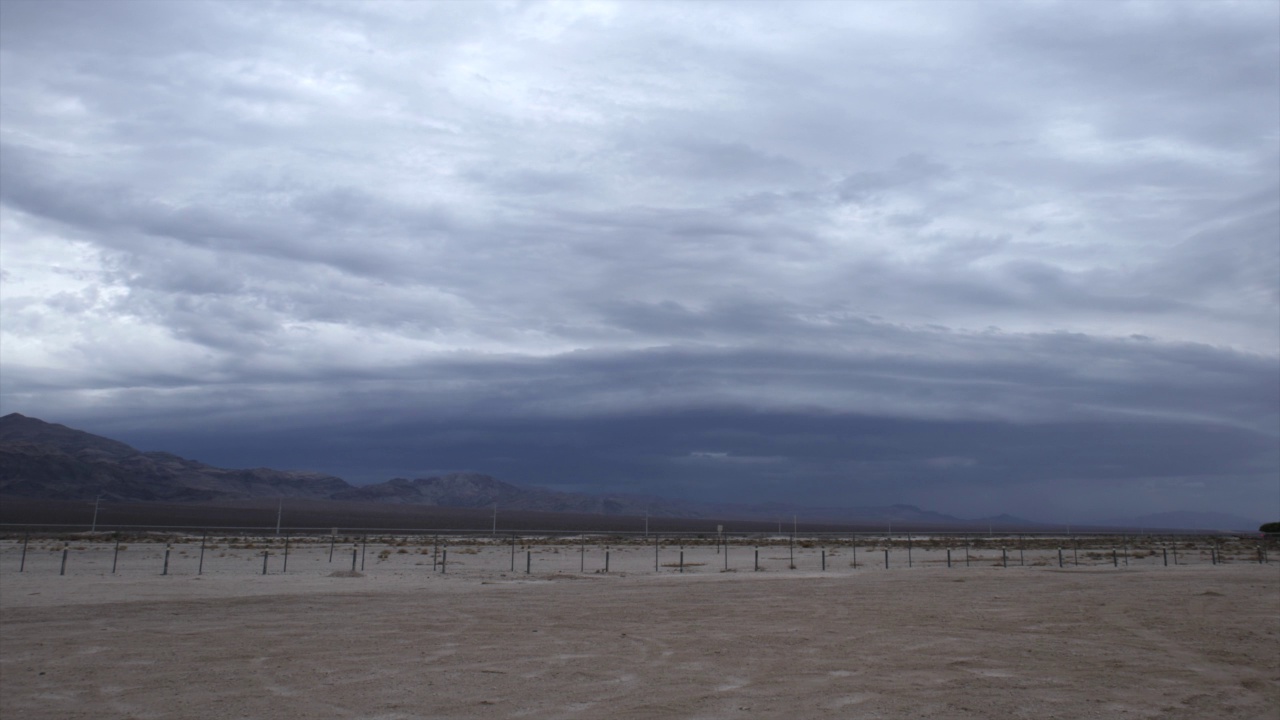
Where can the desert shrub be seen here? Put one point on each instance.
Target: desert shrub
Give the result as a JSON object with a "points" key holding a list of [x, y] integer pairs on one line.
{"points": [[1271, 527]]}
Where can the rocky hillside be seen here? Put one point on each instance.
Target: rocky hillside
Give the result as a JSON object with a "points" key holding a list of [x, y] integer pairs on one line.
{"points": [[54, 462], [50, 461]]}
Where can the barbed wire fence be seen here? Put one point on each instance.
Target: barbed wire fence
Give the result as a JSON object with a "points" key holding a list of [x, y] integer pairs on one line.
{"points": [[184, 551]]}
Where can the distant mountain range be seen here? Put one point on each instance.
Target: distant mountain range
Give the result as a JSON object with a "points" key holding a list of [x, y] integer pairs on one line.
{"points": [[53, 462], [1187, 520]]}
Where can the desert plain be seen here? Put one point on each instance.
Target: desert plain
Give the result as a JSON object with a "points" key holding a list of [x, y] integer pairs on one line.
{"points": [[404, 638]]}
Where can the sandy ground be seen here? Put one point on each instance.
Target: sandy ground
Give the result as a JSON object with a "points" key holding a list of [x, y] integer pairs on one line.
{"points": [[406, 641]]}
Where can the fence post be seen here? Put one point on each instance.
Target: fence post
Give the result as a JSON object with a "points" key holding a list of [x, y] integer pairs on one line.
{"points": [[655, 554], [513, 552], [199, 568], [63, 571], [726, 554], [116, 556], [1059, 557], [582, 557], [909, 563], [528, 562], [1004, 557], [22, 564], [886, 558], [606, 561], [855, 553], [444, 559], [1165, 550], [264, 562], [948, 557], [364, 543], [681, 561], [757, 560], [333, 538], [966, 554], [1115, 561], [285, 569], [165, 571], [824, 560]]}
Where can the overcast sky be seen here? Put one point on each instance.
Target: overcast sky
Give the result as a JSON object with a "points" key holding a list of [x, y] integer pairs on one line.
{"points": [[980, 257]]}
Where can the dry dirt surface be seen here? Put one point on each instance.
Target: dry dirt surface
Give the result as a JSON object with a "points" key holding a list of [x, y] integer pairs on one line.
{"points": [[1193, 641]]}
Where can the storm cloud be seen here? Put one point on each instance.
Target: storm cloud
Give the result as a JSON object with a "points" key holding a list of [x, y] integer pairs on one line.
{"points": [[984, 257]]}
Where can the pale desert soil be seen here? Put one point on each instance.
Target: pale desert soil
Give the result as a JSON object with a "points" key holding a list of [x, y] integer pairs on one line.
{"points": [[1144, 641]]}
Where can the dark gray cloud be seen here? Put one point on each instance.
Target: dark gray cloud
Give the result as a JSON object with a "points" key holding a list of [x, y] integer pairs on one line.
{"points": [[963, 221]]}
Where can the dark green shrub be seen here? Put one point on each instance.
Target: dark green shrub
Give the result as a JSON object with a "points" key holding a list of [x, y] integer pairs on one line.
{"points": [[1271, 527]]}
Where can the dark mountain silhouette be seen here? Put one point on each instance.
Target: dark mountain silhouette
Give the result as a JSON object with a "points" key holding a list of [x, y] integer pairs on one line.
{"points": [[55, 462], [47, 461]]}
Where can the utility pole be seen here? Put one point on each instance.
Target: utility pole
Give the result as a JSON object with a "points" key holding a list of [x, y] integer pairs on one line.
{"points": [[279, 513], [96, 501], [495, 517]]}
